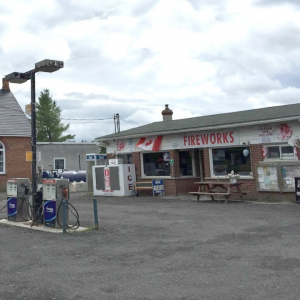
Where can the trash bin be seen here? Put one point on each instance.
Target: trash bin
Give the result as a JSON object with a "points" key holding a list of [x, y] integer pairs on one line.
{"points": [[297, 189]]}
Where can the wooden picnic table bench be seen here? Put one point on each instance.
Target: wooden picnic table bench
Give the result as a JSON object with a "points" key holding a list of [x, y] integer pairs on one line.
{"points": [[211, 186]]}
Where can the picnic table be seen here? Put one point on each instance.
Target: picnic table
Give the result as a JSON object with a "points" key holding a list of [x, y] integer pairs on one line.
{"points": [[218, 188]]}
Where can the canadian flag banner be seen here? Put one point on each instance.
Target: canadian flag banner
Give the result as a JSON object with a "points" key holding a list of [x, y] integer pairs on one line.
{"points": [[150, 143]]}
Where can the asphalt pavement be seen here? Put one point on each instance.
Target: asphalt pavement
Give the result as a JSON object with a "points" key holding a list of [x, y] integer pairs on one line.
{"points": [[157, 248]]}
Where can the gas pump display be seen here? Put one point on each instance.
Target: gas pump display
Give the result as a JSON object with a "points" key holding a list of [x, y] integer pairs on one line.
{"points": [[17, 193], [49, 192], [54, 192]]}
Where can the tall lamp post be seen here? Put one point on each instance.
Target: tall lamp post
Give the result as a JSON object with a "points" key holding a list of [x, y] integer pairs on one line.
{"points": [[46, 65]]}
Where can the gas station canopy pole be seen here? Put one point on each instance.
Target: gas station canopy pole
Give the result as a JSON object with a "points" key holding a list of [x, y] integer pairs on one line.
{"points": [[49, 66]]}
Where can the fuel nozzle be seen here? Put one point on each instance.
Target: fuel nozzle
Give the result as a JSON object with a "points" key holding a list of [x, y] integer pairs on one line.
{"points": [[26, 190], [65, 192]]}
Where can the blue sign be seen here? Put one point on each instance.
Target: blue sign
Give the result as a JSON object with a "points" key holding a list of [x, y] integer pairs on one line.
{"points": [[101, 156], [12, 208], [158, 186], [90, 157], [93, 156], [50, 213]]}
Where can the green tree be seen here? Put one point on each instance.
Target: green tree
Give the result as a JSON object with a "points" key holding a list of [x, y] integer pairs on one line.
{"points": [[48, 121]]}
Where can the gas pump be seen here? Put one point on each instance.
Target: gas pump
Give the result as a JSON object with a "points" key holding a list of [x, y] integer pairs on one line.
{"points": [[17, 193], [54, 192]]}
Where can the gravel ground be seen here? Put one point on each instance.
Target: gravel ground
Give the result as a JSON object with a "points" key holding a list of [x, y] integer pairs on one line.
{"points": [[158, 248]]}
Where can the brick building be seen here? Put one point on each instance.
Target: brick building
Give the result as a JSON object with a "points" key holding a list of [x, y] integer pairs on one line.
{"points": [[257, 144], [15, 133]]}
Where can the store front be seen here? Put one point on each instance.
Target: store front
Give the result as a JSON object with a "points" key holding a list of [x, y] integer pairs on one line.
{"points": [[259, 152]]}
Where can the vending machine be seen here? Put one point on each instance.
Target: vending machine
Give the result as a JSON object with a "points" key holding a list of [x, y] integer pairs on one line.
{"points": [[93, 159], [17, 193], [55, 190], [114, 180]]}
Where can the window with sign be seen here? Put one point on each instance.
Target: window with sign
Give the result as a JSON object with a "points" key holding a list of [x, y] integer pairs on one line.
{"points": [[127, 158], [59, 163], [186, 163], [2, 158], [225, 160], [156, 163]]}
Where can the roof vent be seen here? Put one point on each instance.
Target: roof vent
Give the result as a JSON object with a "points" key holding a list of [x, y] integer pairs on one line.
{"points": [[167, 113]]}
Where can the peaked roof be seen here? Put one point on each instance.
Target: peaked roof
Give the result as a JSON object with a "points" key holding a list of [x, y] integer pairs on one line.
{"points": [[13, 121], [225, 120]]}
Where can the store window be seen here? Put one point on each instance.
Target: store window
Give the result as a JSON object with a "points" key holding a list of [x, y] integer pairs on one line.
{"points": [[280, 152], [59, 163], [127, 158], [156, 164], [225, 160], [186, 163], [2, 158]]}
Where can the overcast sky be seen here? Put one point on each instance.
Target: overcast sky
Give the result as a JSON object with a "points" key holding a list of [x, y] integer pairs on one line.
{"points": [[134, 56]]}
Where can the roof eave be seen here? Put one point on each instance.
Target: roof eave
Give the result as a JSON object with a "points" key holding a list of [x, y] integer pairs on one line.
{"points": [[244, 124], [64, 143], [15, 135]]}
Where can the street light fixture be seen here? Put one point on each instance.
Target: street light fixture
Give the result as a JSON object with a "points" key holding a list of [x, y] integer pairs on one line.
{"points": [[16, 77], [46, 65]]}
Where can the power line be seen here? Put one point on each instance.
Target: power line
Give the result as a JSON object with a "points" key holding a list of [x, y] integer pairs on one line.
{"points": [[86, 119], [87, 122], [69, 119]]}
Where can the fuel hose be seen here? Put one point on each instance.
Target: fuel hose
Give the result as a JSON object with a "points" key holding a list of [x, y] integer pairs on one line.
{"points": [[4, 205], [74, 211]]}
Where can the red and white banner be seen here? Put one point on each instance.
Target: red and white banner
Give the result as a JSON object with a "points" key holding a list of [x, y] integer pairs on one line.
{"points": [[264, 151], [150, 143], [106, 179]]}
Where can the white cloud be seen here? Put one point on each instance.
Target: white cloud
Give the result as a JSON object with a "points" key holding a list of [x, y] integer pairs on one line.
{"points": [[132, 57], [284, 96], [144, 116]]}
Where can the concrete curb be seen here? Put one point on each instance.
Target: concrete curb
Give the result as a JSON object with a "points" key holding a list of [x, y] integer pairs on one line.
{"points": [[27, 225]]}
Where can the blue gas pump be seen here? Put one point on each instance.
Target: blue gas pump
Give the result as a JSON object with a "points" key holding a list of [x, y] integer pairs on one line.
{"points": [[55, 190], [17, 193]]}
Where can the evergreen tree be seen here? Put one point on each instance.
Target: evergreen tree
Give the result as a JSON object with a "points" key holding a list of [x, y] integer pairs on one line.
{"points": [[48, 121]]}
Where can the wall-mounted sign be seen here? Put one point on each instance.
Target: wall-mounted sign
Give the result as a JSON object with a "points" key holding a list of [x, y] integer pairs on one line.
{"points": [[93, 156], [211, 139], [274, 133], [90, 157], [29, 156], [294, 141]]}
